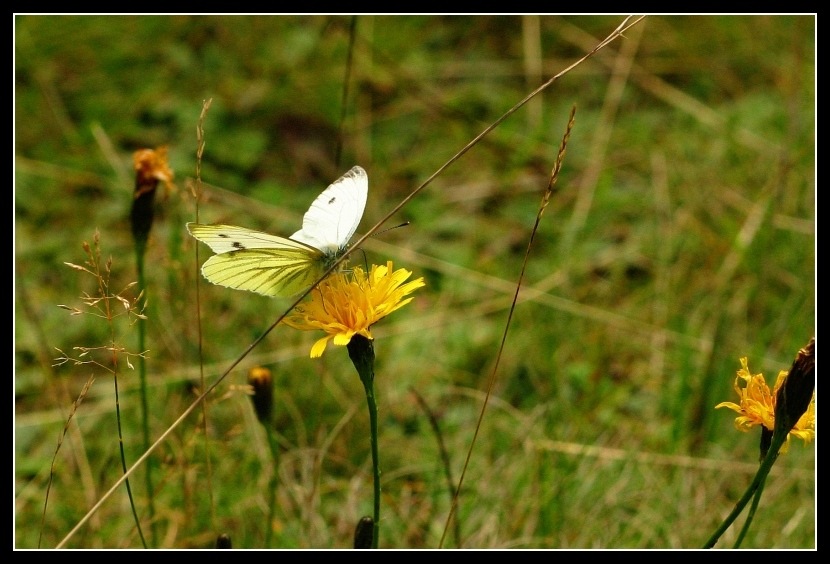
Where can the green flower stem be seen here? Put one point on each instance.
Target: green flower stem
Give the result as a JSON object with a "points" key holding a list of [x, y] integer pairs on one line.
{"points": [[145, 409], [373, 426], [756, 499], [272, 486], [124, 462], [778, 439], [141, 221], [362, 353], [262, 386]]}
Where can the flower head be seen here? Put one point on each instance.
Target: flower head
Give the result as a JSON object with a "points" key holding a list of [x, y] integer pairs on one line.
{"points": [[262, 395], [757, 404], [349, 303], [151, 167]]}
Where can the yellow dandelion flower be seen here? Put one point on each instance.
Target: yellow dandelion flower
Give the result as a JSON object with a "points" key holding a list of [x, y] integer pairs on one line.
{"points": [[348, 303], [757, 404]]}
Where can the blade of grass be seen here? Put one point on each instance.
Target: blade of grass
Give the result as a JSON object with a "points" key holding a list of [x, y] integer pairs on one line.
{"points": [[492, 380]]}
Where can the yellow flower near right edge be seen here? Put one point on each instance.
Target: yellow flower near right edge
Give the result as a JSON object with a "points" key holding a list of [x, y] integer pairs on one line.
{"points": [[757, 405]]}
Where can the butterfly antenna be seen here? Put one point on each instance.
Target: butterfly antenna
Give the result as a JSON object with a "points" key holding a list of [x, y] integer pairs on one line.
{"points": [[404, 224], [365, 260]]}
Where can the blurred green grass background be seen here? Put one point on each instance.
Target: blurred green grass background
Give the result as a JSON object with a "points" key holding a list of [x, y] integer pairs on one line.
{"points": [[682, 238]]}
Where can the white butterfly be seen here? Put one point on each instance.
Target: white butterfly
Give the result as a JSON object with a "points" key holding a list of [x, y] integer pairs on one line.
{"points": [[278, 266]]}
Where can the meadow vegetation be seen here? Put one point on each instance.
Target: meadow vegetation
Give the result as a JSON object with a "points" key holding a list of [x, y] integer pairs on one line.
{"points": [[680, 239]]}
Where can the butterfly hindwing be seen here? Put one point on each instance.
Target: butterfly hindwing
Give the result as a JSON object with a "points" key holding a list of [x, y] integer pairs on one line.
{"points": [[271, 272]]}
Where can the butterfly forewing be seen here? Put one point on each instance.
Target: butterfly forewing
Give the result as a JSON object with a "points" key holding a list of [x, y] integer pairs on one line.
{"points": [[334, 215], [227, 238]]}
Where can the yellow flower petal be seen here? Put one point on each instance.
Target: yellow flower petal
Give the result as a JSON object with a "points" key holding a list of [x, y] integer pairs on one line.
{"points": [[319, 347], [343, 339], [757, 404], [348, 303]]}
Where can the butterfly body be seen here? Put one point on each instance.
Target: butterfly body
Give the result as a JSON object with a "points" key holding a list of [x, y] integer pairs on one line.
{"points": [[285, 266]]}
